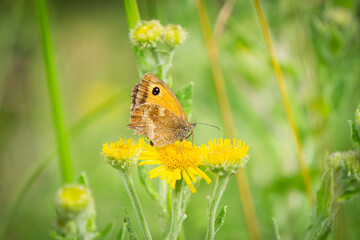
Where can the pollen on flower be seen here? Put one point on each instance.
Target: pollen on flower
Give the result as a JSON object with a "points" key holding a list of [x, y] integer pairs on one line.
{"points": [[72, 199], [174, 35], [123, 153], [225, 154], [147, 33], [175, 163]]}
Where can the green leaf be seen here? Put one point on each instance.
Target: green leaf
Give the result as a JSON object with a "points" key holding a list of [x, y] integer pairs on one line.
{"points": [[321, 216], [340, 182], [347, 174], [121, 234], [220, 219], [354, 136], [83, 180], [185, 95], [103, 234], [145, 180], [276, 229], [127, 225], [357, 115]]}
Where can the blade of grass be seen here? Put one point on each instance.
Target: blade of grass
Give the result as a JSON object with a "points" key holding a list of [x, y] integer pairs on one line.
{"points": [[34, 173], [132, 12], [245, 194], [285, 99], [222, 18], [66, 166]]}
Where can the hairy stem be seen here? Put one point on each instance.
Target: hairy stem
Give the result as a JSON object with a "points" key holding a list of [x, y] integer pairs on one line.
{"points": [[176, 211], [220, 185], [130, 188]]}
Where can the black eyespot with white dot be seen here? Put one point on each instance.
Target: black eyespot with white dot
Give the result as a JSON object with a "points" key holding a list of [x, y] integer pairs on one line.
{"points": [[155, 91]]}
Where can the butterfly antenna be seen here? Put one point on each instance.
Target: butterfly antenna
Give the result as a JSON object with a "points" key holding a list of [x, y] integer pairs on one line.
{"points": [[210, 125]]}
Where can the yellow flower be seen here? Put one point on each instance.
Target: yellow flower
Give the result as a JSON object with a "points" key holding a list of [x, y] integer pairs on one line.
{"points": [[175, 35], [147, 33], [175, 165], [71, 200], [222, 156], [123, 154]]}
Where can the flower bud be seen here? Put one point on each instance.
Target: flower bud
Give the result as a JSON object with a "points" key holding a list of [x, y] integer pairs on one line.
{"points": [[175, 35], [147, 33], [71, 200]]}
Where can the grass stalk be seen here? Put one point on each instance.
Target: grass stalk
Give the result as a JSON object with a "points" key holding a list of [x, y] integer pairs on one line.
{"points": [[245, 194], [285, 99], [66, 166], [132, 12], [176, 211], [34, 173]]}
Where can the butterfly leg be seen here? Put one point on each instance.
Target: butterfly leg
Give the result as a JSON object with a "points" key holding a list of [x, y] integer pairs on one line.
{"points": [[192, 139]]}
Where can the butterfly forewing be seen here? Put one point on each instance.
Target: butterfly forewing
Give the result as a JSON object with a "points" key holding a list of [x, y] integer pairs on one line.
{"points": [[156, 112], [165, 97]]}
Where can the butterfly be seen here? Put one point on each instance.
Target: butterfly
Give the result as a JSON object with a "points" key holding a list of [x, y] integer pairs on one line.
{"points": [[156, 112]]}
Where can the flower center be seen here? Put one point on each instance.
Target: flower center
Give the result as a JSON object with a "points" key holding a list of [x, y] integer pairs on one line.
{"points": [[172, 158]]}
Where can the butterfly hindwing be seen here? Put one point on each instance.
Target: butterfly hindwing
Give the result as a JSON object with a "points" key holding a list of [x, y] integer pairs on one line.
{"points": [[160, 125]]}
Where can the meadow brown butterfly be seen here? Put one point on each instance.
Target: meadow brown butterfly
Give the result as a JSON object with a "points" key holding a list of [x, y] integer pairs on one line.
{"points": [[156, 112]]}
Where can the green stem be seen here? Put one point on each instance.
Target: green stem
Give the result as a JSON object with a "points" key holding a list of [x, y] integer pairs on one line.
{"points": [[176, 211], [132, 12], [54, 90], [220, 185], [130, 188]]}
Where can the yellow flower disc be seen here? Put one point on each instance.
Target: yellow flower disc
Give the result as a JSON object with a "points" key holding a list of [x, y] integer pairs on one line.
{"points": [[123, 153], [225, 154], [176, 162]]}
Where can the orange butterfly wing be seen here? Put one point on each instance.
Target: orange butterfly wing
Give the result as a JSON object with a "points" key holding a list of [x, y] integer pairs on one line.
{"points": [[144, 93], [156, 112]]}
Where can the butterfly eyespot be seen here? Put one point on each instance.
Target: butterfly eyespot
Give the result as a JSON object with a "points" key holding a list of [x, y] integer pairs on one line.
{"points": [[155, 91]]}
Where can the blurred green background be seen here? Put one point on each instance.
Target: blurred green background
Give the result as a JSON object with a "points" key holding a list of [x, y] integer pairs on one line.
{"points": [[317, 43]]}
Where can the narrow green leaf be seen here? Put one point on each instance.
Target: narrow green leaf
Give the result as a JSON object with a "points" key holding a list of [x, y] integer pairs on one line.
{"points": [[121, 234], [354, 136], [357, 115], [132, 12], [321, 216], [83, 180], [220, 219], [185, 95], [104, 233], [276, 229], [66, 164], [129, 228], [145, 180]]}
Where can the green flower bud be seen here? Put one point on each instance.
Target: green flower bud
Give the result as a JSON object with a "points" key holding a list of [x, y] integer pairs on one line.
{"points": [[147, 34], [175, 35], [71, 200]]}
